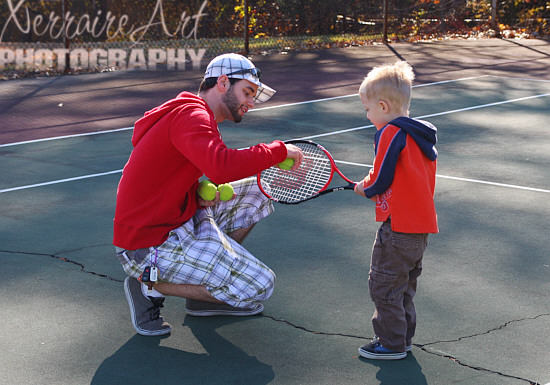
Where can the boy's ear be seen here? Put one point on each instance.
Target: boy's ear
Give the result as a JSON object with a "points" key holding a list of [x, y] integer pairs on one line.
{"points": [[384, 106]]}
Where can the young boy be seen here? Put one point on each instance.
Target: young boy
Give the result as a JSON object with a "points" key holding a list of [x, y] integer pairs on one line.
{"points": [[402, 183]]}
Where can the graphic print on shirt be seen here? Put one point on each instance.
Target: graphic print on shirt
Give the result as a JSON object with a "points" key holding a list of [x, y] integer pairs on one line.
{"points": [[382, 200]]}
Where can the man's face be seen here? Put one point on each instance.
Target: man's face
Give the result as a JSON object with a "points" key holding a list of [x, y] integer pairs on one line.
{"points": [[239, 98]]}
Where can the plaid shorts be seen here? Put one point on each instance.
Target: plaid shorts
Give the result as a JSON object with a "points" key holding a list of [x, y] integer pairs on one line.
{"points": [[200, 253]]}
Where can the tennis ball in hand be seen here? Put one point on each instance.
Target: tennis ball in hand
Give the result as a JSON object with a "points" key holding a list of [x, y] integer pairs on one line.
{"points": [[226, 191], [286, 164], [207, 190]]}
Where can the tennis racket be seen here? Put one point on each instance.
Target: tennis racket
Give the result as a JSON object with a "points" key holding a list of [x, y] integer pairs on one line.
{"points": [[309, 181]]}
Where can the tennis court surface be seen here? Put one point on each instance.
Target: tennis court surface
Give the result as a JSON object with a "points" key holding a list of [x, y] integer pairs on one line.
{"points": [[482, 302]]}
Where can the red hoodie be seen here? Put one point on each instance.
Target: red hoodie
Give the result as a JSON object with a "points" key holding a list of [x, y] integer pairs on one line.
{"points": [[174, 145]]}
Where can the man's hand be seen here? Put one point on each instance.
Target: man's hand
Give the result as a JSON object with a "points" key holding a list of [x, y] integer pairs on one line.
{"points": [[295, 153], [204, 203]]}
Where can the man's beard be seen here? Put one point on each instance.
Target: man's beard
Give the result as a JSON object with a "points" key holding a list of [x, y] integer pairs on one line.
{"points": [[232, 103]]}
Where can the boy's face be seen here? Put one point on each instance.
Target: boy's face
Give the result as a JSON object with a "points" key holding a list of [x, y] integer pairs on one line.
{"points": [[375, 111]]}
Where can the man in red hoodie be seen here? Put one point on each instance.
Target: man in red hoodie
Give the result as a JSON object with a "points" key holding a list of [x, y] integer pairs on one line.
{"points": [[168, 239]]}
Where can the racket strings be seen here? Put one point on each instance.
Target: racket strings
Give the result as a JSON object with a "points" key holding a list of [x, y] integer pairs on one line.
{"points": [[312, 176]]}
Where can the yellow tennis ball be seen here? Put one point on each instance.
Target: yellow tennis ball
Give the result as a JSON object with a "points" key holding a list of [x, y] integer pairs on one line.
{"points": [[226, 191], [207, 190], [286, 164]]}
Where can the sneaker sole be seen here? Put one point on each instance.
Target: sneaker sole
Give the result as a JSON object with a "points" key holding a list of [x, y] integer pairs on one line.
{"points": [[139, 330], [382, 356], [240, 313]]}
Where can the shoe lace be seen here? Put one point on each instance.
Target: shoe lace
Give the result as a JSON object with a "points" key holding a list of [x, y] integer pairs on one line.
{"points": [[157, 304]]}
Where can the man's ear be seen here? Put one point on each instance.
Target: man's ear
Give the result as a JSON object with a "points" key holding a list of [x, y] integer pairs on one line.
{"points": [[223, 83]]}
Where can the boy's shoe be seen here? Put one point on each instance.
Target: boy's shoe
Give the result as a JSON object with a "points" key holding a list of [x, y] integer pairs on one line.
{"points": [[207, 309], [409, 348], [375, 351], [145, 311]]}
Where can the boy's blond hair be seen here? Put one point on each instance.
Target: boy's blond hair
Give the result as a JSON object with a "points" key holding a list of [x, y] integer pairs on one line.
{"points": [[389, 82]]}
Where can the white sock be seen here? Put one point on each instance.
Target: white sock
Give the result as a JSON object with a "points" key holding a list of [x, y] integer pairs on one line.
{"points": [[152, 293]]}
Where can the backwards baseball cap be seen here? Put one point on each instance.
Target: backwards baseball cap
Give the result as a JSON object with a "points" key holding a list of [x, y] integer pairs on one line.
{"points": [[236, 66]]}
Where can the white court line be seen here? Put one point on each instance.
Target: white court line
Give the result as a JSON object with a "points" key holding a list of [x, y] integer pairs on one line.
{"points": [[432, 115], [59, 181], [526, 79], [296, 104], [307, 137], [463, 179], [337, 161], [66, 137], [356, 94], [253, 110]]}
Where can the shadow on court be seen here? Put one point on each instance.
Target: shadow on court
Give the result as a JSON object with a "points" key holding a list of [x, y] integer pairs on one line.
{"points": [[404, 372], [144, 360]]}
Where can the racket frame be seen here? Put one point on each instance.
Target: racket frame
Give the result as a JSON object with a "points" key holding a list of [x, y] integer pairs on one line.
{"points": [[323, 190]]}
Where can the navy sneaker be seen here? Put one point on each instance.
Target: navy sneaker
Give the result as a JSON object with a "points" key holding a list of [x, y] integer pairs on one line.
{"points": [[375, 351]]}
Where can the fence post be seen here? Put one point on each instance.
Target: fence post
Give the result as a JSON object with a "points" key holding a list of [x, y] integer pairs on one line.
{"points": [[385, 11], [246, 35], [494, 18], [64, 9]]}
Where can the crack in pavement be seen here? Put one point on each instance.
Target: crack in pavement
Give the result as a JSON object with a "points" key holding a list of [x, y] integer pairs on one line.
{"points": [[444, 355], [488, 331], [63, 259], [422, 347]]}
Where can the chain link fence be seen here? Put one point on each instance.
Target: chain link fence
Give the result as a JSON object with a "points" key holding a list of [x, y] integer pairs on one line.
{"points": [[100, 35]]}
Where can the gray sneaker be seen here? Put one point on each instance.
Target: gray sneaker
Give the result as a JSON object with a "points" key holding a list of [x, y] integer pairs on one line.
{"points": [[207, 309], [145, 311]]}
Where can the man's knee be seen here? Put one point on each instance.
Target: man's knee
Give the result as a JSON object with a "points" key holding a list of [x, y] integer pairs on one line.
{"points": [[262, 288]]}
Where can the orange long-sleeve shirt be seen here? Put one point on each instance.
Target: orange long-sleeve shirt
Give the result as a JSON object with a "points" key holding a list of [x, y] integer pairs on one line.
{"points": [[403, 176]]}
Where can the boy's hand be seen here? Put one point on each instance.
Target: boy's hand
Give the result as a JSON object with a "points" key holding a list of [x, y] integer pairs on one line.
{"points": [[359, 190]]}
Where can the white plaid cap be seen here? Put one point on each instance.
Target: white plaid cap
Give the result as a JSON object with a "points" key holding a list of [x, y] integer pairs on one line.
{"points": [[231, 64]]}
